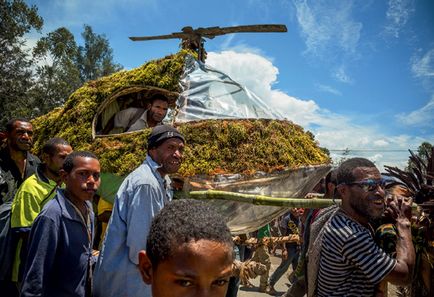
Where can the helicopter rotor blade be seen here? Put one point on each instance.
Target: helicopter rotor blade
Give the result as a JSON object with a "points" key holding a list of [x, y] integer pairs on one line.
{"points": [[211, 32], [215, 31], [169, 36]]}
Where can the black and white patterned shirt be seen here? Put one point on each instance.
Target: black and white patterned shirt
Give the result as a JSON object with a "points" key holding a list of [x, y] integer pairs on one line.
{"points": [[351, 263]]}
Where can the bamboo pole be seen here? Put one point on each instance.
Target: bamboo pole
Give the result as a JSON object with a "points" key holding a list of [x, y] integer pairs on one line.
{"points": [[267, 200], [263, 200]]}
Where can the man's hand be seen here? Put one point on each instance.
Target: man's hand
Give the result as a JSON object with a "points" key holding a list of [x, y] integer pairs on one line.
{"points": [[399, 208], [285, 254]]}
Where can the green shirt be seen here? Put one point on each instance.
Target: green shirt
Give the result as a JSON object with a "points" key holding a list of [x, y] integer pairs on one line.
{"points": [[29, 200]]}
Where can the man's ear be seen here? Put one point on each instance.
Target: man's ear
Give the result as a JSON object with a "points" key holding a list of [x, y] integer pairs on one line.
{"points": [[148, 105], [342, 190], [145, 267], [63, 175], [45, 157]]}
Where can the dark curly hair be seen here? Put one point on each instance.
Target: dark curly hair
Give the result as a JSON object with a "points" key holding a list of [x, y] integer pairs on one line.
{"points": [[51, 146], [344, 173], [68, 164], [183, 221]]}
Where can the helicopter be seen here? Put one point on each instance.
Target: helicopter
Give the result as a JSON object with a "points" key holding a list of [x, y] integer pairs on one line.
{"points": [[235, 142]]}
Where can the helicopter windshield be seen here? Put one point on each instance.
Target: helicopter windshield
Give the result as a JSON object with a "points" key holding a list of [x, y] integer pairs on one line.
{"points": [[208, 93]]}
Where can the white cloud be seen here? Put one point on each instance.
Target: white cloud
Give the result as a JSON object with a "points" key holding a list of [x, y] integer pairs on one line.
{"points": [[341, 75], [397, 15], [330, 33], [259, 75], [328, 89], [423, 117], [381, 142], [333, 131], [423, 66], [328, 25]]}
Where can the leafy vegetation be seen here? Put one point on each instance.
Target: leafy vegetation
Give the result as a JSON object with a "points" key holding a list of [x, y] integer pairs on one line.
{"points": [[213, 146]]}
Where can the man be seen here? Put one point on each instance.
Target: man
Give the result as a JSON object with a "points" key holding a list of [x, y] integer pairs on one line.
{"points": [[289, 225], [189, 252], [33, 194], [348, 260], [140, 197], [298, 286], [133, 118], [16, 164], [60, 243], [262, 256]]}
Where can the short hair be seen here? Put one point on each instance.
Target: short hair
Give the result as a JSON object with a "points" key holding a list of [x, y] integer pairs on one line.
{"points": [[344, 173], [183, 221], [50, 147], [331, 178], [158, 97], [11, 122], [68, 164]]}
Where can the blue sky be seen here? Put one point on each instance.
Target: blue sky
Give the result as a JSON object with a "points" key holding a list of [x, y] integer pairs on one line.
{"points": [[358, 74]]}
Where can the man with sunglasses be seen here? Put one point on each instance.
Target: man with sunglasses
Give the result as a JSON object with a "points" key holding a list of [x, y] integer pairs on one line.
{"points": [[350, 262]]}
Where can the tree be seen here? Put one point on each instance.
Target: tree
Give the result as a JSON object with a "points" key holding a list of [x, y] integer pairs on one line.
{"points": [[59, 66], [64, 66], [57, 73], [95, 58], [423, 152], [16, 19]]}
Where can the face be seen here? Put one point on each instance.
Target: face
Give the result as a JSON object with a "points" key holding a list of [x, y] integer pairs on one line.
{"points": [[297, 212], [54, 163], [83, 180], [158, 110], [196, 269], [367, 203], [21, 136], [168, 155]]}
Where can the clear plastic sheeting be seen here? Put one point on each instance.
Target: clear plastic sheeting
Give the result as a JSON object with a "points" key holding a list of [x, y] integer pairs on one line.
{"points": [[208, 93], [245, 217]]}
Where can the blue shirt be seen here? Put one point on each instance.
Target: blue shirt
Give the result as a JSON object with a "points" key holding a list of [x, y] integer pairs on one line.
{"points": [[60, 247], [141, 196]]}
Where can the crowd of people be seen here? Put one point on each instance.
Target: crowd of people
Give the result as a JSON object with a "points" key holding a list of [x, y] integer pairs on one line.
{"points": [[154, 246]]}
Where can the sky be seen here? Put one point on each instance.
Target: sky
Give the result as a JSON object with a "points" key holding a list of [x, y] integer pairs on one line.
{"points": [[358, 74]]}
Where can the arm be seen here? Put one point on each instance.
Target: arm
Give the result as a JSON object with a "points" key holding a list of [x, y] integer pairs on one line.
{"points": [[24, 211], [400, 210], [143, 207], [42, 250]]}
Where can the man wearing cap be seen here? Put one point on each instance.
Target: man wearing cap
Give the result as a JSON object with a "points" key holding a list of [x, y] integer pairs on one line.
{"points": [[141, 196]]}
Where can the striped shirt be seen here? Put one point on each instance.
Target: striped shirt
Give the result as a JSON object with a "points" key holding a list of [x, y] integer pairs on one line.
{"points": [[351, 264]]}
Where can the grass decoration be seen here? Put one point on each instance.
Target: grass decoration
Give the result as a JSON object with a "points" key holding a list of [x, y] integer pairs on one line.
{"points": [[213, 146]]}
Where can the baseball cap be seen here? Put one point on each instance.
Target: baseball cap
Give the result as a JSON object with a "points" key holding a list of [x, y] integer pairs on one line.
{"points": [[162, 132]]}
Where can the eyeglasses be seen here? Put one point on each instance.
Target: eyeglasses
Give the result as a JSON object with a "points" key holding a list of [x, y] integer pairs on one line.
{"points": [[369, 185]]}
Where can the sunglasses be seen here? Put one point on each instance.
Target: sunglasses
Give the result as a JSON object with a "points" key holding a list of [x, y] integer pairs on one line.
{"points": [[369, 185]]}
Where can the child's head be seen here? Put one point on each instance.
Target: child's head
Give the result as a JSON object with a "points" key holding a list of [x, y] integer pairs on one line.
{"points": [[189, 251]]}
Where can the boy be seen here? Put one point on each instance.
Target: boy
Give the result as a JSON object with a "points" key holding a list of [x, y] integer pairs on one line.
{"points": [[60, 242], [189, 252]]}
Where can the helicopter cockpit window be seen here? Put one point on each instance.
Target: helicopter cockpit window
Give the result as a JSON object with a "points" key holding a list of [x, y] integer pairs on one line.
{"points": [[208, 93], [127, 110]]}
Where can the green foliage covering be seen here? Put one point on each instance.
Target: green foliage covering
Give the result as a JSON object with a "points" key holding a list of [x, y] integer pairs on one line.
{"points": [[213, 146]]}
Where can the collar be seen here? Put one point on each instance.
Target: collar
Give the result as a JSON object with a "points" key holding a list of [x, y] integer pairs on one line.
{"points": [[32, 159], [154, 166], [144, 116], [40, 174], [67, 209], [5, 158]]}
